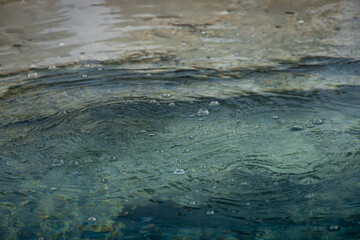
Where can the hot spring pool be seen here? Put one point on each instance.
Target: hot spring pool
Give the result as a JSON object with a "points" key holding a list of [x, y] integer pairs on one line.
{"points": [[94, 151]]}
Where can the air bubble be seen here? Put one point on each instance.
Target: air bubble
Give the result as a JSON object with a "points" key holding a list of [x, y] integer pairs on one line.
{"points": [[73, 163], [185, 150], [166, 95], [309, 125], [210, 212], [296, 128], [317, 121], [214, 104], [92, 219], [159, 151], [334, 228], [33, 75], [307, 180], [202, 112], [58, 162], [179, 171]]}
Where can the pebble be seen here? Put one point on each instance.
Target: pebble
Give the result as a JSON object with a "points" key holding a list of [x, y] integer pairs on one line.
{"points": [[58, 162], [179, 171], [53, 67], [202, 112], [171, 104], [92, 219]]}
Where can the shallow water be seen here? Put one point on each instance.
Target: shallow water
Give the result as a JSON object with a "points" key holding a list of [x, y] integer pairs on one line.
{"points": [[95, 151], [206, 33]]}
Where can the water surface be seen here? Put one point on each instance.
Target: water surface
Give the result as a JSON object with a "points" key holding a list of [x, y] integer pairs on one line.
{"points": [[98, 151]]}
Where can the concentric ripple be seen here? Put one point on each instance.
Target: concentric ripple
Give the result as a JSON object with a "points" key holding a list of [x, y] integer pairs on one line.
{"points": [[109, 156]]}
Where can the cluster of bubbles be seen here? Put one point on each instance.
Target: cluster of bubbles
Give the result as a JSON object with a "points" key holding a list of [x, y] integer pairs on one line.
{"points": [[316, 121]]}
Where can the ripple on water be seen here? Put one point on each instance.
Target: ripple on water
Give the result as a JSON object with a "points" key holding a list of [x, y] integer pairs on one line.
{"points": [[241, 163]]}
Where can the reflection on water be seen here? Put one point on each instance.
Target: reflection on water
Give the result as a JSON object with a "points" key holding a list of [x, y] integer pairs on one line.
{"points": [[227, 34], [195, 154]]}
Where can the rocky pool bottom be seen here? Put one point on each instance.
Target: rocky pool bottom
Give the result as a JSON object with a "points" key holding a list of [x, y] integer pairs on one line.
{"points": [[99, 152]]}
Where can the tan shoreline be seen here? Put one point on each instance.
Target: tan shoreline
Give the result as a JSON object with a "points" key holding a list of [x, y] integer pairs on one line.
{"points": [[204, 34]]}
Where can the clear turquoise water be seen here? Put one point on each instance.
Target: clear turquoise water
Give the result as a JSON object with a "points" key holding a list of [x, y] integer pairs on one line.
{"points": [[120, 154]]}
